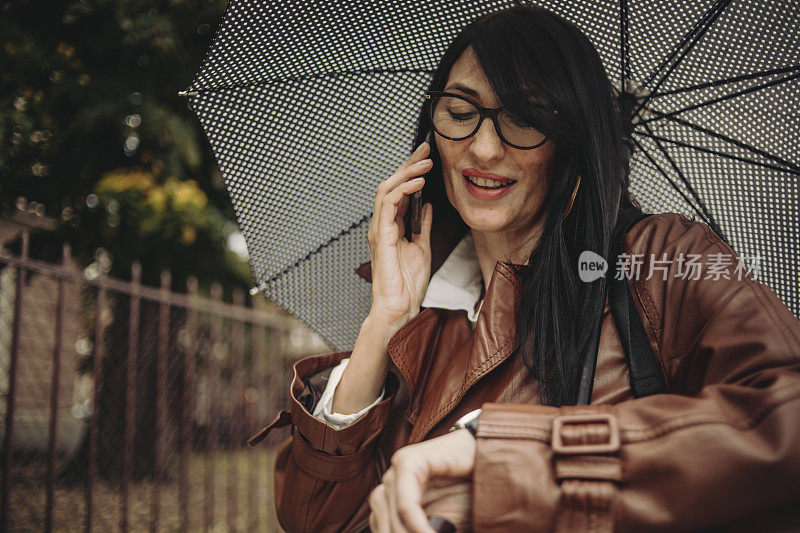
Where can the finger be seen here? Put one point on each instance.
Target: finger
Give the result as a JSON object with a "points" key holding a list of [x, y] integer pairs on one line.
{"points": [[402, 204], [409, 483], [424, 236], [389, 209], [449, 498], [391, 499], [408, 501], [403, 175], [402, 207], [379, 519], [420, 152]]}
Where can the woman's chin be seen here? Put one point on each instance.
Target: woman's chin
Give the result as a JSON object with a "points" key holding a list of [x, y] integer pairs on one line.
{"points": [[488, 224]]}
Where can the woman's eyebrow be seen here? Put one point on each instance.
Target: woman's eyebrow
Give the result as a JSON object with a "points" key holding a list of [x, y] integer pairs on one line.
{"points": [[463, 88]]}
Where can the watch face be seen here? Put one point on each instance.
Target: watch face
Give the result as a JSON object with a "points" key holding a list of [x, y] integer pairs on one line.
{"points": [[472, 415], [468, 421]]}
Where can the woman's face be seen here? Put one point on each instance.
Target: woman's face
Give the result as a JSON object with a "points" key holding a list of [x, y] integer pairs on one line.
{"points": [[517, 207]]}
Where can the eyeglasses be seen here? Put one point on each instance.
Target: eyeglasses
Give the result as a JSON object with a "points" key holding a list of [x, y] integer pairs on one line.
{"points": [[457, 117]]}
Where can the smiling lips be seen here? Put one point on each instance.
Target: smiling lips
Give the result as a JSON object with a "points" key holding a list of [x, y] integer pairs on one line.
{"points": [[486, 186]]}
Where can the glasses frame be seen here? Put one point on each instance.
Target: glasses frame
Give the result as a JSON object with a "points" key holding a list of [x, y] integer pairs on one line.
{"points": [[484, 111]]}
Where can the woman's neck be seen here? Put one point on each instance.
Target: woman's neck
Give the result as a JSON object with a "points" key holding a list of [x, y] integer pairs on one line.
{"points": [[509, 246]]}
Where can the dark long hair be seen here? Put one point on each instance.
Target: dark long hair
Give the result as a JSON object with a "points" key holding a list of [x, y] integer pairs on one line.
{"points": [[526, 47]]}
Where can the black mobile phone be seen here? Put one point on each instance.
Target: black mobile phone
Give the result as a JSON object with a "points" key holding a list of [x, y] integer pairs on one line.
{"points": [[416, 199]]}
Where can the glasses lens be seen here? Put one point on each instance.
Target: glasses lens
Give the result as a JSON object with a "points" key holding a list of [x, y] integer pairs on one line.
{"points": [[518, 132], [454, 117]]}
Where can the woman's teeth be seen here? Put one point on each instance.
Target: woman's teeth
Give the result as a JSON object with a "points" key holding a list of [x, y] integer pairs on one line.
{"points": [[487, 183]]}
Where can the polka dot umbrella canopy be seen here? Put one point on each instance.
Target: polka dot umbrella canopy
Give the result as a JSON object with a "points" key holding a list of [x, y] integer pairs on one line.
{"points": [[309, 105]]}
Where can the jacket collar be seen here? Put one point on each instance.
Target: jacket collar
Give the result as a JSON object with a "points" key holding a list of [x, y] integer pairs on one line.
{"points": [[494, 339], [496, 330]]}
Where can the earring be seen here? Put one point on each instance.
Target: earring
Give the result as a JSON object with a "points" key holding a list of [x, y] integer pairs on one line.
{"points": [[572, 199]]}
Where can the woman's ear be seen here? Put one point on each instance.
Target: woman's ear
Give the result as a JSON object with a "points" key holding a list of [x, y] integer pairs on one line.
{"points": [[572, 198]]}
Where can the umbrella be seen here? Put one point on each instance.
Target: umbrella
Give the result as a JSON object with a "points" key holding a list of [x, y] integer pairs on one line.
{"points": [[309, 105]]}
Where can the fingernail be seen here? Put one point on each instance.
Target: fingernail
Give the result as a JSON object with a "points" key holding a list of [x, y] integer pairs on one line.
{"points": [[423, 162]]}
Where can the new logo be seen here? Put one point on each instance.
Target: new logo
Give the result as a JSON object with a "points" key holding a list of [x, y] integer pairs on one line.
{"points": [[591, 266]]}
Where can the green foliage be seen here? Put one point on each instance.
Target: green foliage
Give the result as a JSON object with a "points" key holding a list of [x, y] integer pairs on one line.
{"points": [[93, 133]]}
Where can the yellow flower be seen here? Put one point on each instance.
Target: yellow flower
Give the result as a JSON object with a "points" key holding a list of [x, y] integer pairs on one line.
{"points": [[185, 195], [156, 199], [188, 235], [125, 179]]}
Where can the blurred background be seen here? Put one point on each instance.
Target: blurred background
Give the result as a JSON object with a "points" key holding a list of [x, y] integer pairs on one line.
{"points": [[134, 363]]}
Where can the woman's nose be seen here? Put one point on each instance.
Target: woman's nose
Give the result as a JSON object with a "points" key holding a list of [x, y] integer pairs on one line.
{"points": [[486, 144]]}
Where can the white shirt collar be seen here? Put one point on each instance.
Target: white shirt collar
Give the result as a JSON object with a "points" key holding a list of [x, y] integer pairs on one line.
{"points": [[458, 283]]}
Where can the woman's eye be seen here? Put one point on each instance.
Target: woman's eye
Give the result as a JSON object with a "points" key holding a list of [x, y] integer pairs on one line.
{"points": [[468, 115]]}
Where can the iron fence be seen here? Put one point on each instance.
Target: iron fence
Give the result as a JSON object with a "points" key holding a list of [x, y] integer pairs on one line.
{"points": [[128, 406]]}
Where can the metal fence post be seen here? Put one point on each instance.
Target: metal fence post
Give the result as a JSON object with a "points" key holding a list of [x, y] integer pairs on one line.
{"points": [[130, 391], [255, 382], [186, 410], [99, 353], [8, 444], [54, 383], [235, 441], [161, 393], [213, 393]]}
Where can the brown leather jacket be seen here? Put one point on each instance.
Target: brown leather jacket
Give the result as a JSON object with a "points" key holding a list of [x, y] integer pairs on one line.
{"points": [[722, 448]]}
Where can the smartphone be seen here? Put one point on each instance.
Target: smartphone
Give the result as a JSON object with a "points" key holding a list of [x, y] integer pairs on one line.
{"points": [[416, 198]]}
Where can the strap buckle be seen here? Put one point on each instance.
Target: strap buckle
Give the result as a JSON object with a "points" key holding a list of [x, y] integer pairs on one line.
{"points": [[560, 447]]}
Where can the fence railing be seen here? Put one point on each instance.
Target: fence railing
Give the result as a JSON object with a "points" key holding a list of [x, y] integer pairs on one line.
{"points": [[128, 406]]}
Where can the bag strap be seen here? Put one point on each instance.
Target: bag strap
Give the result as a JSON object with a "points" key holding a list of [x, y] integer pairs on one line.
{"points": [[645, 374], [589, 362]]}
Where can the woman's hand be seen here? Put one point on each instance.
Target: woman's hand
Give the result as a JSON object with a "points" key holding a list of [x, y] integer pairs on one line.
{"points": [[400, 269], [432, 478], [400, 272]]}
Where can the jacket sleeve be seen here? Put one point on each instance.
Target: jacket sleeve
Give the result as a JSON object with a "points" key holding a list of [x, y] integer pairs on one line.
{"points": [[323, 476], [324, 408], [722, 446]]}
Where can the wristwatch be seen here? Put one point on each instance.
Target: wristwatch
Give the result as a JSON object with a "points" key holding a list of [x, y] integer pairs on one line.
{"points": [[469, 422]]}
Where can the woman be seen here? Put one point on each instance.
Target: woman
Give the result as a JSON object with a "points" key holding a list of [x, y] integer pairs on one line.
{"points": [[526, 170]]}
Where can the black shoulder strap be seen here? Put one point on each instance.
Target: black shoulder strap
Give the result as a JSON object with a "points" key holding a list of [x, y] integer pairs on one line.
{"points": [[645, 374]]}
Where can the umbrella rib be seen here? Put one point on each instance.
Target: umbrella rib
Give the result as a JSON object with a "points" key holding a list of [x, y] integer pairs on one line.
{"points": [[263, 285], [708, 216], [694, 36], [685, 39], [794, 167], [705, 213], [294, 79], [624, 67], [668, 178], [714, 152], [718, 83], [722, 98]]}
